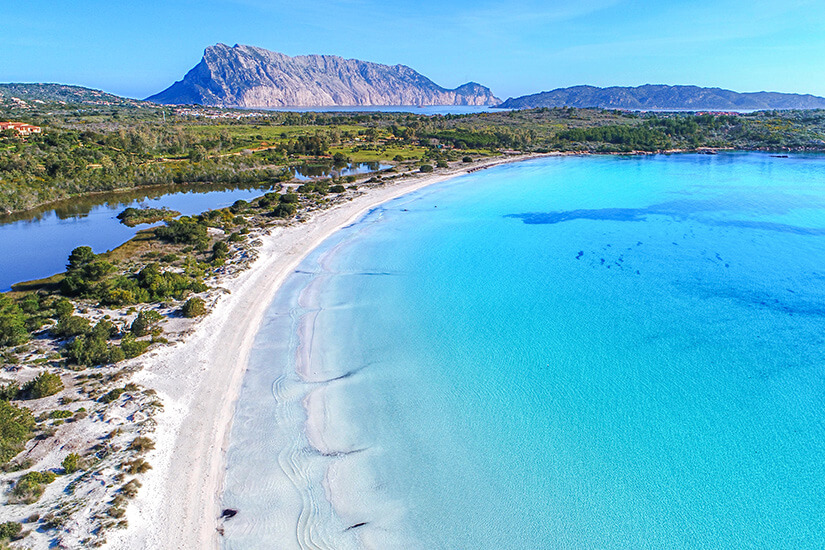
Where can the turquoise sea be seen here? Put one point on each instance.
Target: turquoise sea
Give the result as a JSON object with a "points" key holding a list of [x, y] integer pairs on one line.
{"points": [[594, 352]]}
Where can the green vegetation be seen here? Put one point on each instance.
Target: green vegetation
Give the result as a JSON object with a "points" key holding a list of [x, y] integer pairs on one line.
{"points": [[12, 323], [44, 385], [136, 216], [16, 426], [194, 307], [71, 463], [10, 530], [145, 322], [90, 277], [31, 486], [131, 145], [113, 395], [185, 230]]}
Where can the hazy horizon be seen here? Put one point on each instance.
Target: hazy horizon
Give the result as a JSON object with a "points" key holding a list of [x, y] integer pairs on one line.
{"points": [[515, 49]]}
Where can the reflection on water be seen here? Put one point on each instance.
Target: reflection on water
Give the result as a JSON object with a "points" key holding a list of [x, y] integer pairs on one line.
{"points": [[35, 244], [309, 171], [78, 207]]}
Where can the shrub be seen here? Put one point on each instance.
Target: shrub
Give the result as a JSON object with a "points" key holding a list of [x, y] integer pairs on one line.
{"points": [[336, 189], [194, 307], [426, 168], [71, 325], [284, 210], [398, 158], [141, 444], [44, 385], [30, 487], [111, 396], [63, 308], [220, 250], [186, 230], [12, 323], [238, 206], [80, 257], [442, 164], [15, 429], [289, 198], [467, 159], [9, 391], [131, 347], [104, 330], [10, 530], [136, 466], [130, 489], [92, 350], [71, 463], [145, 321]]}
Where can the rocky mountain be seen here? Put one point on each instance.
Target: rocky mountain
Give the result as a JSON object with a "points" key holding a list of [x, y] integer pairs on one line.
{"points": [[652, 97], [246, 76]]}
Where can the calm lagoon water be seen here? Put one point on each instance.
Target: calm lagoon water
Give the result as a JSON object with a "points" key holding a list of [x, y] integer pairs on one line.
{"points": [[37, 244], [310, 171], [598, 352]]}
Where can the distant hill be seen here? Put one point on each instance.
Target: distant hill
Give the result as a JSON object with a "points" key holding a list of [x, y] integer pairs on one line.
{"points": [[61, 93], [246, 76], [651, 97]]}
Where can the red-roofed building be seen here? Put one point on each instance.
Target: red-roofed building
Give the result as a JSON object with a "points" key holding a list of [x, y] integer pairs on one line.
{"points": [[21, 128]]}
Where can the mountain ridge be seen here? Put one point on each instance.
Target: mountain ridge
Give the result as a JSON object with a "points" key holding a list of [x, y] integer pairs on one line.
{"points": [[248, 76], [65, 93], [662, 97]]}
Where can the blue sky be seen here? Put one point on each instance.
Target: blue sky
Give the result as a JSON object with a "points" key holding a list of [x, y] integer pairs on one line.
{"points": [[516, 47]]}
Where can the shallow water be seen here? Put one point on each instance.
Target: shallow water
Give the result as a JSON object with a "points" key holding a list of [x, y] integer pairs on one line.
{"points": [[598, 352]]}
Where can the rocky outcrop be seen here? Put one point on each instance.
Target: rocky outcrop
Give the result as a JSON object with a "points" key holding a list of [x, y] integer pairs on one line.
{"points": [[653, 97], [246, 76]]}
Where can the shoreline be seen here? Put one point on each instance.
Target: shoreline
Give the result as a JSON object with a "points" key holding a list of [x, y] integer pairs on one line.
{"points": [[199, 379]]}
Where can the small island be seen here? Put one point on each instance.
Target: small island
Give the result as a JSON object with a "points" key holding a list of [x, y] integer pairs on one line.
{"points": [[137, 216]]}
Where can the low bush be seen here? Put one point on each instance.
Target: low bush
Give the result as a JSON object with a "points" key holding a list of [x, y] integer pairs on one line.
{"points": [[146, 320], [112, 395], [284, 210], [71, 463], [141, 444], [30, 487], [130, 489], [194, 307], [16, 425], [426, 168], [44, 385], [10, 530], [132, 348], [12, 323], [71, 325], [136, 466]]}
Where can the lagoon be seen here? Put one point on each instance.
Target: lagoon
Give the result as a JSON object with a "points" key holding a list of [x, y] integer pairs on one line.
{"points": [[36, 243], [594, 352]]}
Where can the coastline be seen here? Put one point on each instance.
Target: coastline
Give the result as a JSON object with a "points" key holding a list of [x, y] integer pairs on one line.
{"points": [[199, 379]]}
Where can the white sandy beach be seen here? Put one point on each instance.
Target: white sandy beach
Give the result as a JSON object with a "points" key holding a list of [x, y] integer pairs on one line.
{"points": [[199, 380]]}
